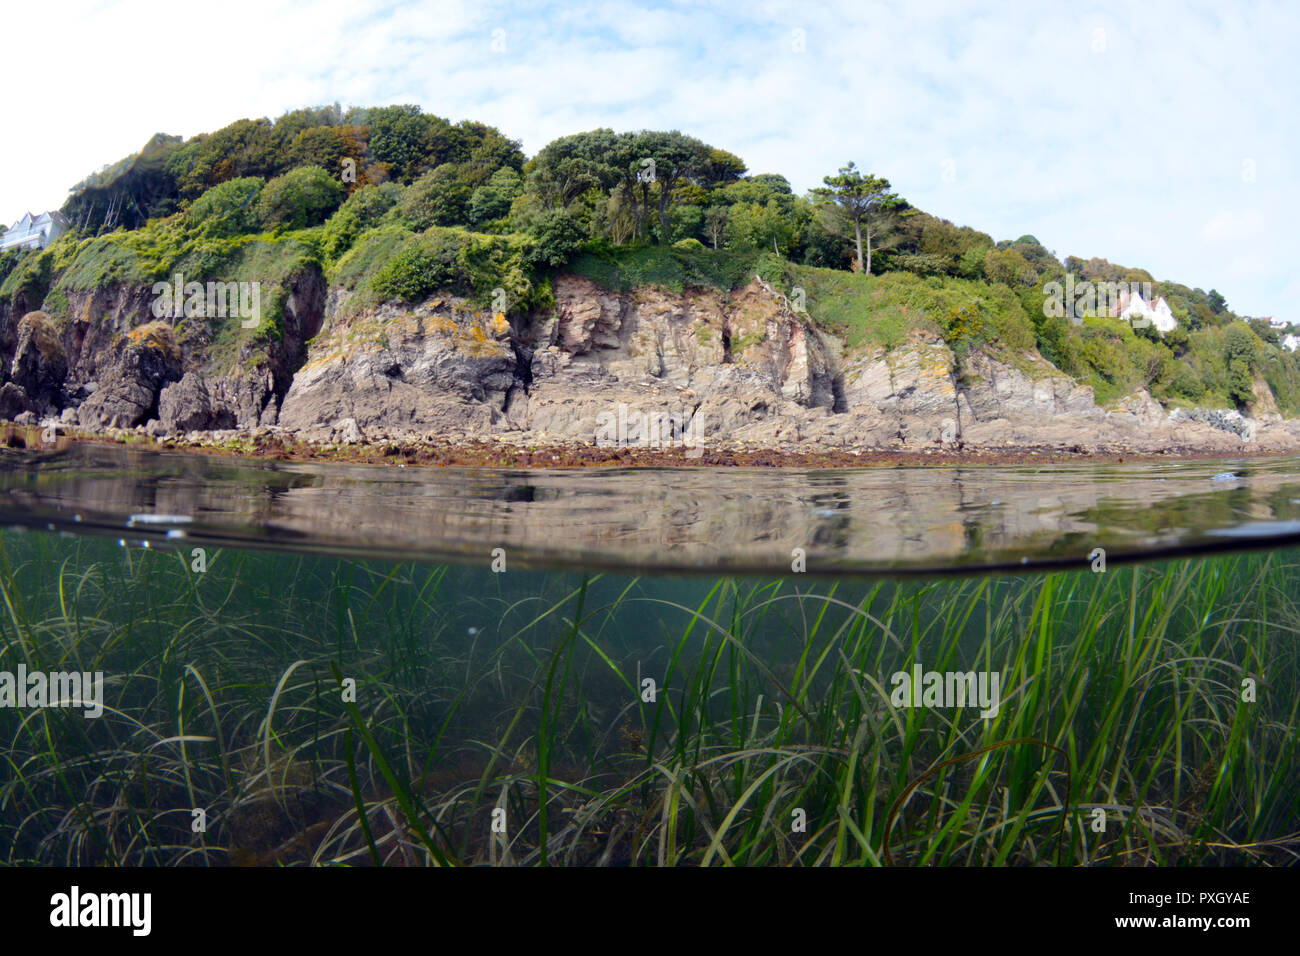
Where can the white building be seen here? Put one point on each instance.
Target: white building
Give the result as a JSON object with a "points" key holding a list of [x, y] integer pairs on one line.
{"points": [[1290, 342], [1157, 313], [34, 232], [1277, 323]]}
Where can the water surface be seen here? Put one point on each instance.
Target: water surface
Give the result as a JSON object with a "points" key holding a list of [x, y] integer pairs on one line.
{"points": [[890, 520]]}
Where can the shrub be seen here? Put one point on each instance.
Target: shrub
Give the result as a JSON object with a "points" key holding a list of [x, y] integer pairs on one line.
{"points": [[362, 210], [557, 237], [462, 263], [438, 198], [423, 265], [300, 198], [227, 210]]}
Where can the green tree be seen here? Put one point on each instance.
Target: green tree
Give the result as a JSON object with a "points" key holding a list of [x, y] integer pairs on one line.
{"points": [[557, 238], [860, 201], [1239, 356], [244, 148], [492, 200], [572, 165], [715, 224], [1009, 267], [319, 146], [438, 198], [361, 211], [752, 226], [409, 140]]}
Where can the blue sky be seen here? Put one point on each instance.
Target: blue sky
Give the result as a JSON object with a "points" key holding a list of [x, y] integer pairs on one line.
{"points": [[1154, 135]]}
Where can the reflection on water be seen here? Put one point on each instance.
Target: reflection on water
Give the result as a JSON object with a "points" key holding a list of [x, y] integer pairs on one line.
{"points": [[867, 520]]}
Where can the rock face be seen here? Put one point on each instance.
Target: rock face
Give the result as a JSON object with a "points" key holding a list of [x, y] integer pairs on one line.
{"points": [[442, 366], [707, 362], [13, 401], [438, 366], [1232, 422], [642, 366], [40, 365], [144, 361]]}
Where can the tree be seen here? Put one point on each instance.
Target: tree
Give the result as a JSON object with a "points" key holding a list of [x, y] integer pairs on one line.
{"points": [[359, 212], [715, 224], [677, 159], [318, 146], [1239, 356], [558, 237], [493, 200], [752, 226], [411, 141], [1009, 267], [438, 198], [571, 165], [244, 148], [481, 150], [1218, 305], [131, 191], [859, 200]]}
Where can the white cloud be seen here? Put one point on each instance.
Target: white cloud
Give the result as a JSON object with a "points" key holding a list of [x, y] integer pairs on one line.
{"points": [[1136, 151]]}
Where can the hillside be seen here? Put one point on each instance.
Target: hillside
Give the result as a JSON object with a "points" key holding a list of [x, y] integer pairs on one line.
{"points": [[405, 274]]}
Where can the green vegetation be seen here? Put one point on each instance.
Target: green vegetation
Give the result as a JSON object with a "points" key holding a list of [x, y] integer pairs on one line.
{"points": [[673, 267], [465, 211], [883, 310], [473, 693]]}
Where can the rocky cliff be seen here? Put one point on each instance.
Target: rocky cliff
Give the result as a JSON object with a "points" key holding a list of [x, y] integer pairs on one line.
{"points": [[699, 367]]}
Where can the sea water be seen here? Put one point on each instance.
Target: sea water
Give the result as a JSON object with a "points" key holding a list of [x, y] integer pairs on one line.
{"points": [[324, 665]]}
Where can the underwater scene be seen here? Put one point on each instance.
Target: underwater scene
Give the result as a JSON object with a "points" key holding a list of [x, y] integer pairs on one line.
{"points": [[214, 662]]}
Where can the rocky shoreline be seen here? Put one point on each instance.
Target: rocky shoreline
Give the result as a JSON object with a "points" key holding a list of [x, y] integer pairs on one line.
{"points": [[643, 376], [278, 445]]}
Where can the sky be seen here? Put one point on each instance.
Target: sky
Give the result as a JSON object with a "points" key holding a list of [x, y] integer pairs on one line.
{"points": [[1155, 135]]}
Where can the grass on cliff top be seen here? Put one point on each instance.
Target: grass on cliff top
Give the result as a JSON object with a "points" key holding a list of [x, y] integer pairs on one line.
{"points": [[156, 252], [519, 696], [882, 311]]}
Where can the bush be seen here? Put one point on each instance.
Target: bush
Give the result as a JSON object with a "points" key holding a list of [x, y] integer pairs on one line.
{"points": [[422, 266], [362, 210], [227, 210], [438, 198], [300, 198], [557, 237], [461, 263], [491, 202]]}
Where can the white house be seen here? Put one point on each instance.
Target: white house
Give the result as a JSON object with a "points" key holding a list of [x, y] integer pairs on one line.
{"points": [[1277, 323], [1157, 313], [34, 232], [1290, 342]]}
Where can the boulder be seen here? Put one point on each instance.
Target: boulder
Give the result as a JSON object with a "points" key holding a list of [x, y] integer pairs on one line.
{"points": [[144, 362], [40, 365], [13, 401]]}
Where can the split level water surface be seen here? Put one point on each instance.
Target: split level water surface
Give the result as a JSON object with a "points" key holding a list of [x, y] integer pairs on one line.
{"points": [[212, 661]]}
